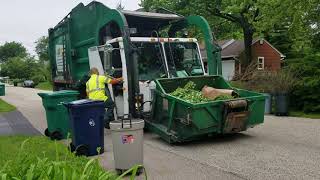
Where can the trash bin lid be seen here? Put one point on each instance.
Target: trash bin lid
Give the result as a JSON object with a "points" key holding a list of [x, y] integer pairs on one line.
{"points": [[136, 125], [82, 102], [59, 93]]}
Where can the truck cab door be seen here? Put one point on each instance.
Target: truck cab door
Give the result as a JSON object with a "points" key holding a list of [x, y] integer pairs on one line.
{"points": [[112, 63]]}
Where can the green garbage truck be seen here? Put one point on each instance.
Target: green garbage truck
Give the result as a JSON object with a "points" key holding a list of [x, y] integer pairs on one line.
{"points": [[154, 54]]}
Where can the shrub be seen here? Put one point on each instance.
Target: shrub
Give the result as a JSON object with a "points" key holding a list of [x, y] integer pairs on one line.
{"points": [[260, 81], [282, 81], [38, 79], [16, 81], [305, 94]]}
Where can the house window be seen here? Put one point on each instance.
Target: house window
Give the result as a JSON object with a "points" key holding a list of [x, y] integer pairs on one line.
{"points": [[260, 63]]}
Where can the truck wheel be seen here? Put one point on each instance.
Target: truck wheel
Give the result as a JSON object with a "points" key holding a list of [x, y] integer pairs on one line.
{"points": [[82, 150], [56, 135], [47, 133]]}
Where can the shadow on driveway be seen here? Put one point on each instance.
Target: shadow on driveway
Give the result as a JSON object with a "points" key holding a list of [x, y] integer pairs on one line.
{"points": [[14, 123]]}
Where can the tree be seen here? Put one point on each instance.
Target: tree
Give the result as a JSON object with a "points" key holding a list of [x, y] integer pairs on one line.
{"points": [[15, 68], [42, 48], [242, 13], [12, 49], [298, 20], [25, 68]]}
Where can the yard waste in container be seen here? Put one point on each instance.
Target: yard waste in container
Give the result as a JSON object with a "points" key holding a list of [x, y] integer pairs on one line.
{"points": [[87, 126], [57, 115], [2, 89], [127, 141], [178, 120]]}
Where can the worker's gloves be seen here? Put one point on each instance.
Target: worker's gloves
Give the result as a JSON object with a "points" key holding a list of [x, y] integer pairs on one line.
{"points": [[116, 81]]}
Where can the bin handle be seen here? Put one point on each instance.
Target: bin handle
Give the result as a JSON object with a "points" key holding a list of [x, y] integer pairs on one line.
{"points": [[126, 117]]}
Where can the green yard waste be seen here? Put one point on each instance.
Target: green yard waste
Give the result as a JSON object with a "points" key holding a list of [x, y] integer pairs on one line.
{"points": [[56, 112], [178, 120]]}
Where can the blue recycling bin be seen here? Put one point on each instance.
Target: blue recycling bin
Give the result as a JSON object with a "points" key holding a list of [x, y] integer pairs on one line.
{"points": [[87, 127]]}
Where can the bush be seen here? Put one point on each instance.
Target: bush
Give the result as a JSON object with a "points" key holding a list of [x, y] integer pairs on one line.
{"points": [[16, 81], [305, 94], [260, 81], [282, 81], [38, 79]]}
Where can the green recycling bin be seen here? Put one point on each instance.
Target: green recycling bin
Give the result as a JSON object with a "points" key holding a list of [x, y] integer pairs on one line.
{"points": [[56, 113], [2, 89]]}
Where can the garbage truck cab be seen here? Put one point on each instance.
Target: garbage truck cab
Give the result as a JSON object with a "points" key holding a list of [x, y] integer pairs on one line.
{"points": [[152, 58]]}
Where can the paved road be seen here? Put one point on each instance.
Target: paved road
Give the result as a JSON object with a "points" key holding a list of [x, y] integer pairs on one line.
{"points": [[281, 148]]}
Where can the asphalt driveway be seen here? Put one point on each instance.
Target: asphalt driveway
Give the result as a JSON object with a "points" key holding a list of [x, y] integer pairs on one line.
{"points": [[281, 148]]}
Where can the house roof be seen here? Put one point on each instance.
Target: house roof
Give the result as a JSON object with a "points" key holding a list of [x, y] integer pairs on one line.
{"points": [[232, 48], [235, 47]]}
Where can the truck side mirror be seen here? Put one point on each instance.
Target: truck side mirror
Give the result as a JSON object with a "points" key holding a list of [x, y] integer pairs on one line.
{"points": [[107, 60]]}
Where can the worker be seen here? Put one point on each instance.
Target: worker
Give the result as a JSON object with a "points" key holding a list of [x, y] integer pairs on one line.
{"points": [[96, 90]]}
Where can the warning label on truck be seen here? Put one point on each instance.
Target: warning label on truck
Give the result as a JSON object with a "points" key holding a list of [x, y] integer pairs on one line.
{"points": [[59, 57], [127, 139]]}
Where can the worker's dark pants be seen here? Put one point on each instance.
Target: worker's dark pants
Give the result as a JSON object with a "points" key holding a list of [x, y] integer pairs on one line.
{"points": [[109, 104]]}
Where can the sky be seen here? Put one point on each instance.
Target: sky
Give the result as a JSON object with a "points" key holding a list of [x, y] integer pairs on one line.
{"points": [[27, 20]]}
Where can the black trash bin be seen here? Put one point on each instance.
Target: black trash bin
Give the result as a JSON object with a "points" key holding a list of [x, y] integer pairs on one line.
{"points": [[87, 127], [281, 104]]}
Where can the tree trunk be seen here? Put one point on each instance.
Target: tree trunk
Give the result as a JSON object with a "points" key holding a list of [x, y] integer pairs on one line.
{"points": [[248, 37]]}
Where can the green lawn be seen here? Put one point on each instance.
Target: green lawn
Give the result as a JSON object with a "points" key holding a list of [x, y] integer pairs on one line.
{"points": [[302, 114], [45, 86], [24, 157], [5, 107]]}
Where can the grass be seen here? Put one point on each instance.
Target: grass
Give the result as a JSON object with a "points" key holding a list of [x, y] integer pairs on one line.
{"points": [[302, 114], [6, 107], [38, 158], [45, 86]]}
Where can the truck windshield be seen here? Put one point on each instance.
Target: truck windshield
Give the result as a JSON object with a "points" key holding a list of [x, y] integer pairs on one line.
{"points": [[150, 58], [183, 59]]}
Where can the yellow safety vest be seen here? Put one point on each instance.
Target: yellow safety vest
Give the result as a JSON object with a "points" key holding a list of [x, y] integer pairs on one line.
{"points": [[96, 87]]}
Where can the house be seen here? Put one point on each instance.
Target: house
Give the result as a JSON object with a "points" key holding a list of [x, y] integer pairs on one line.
{"points": [[266, 56]]}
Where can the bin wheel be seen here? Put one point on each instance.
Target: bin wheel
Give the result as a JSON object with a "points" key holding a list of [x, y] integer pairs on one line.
{"points": [[140, 171], [119, 171], [47, 133], [82, 150], [56, 135], [72, 148]]}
